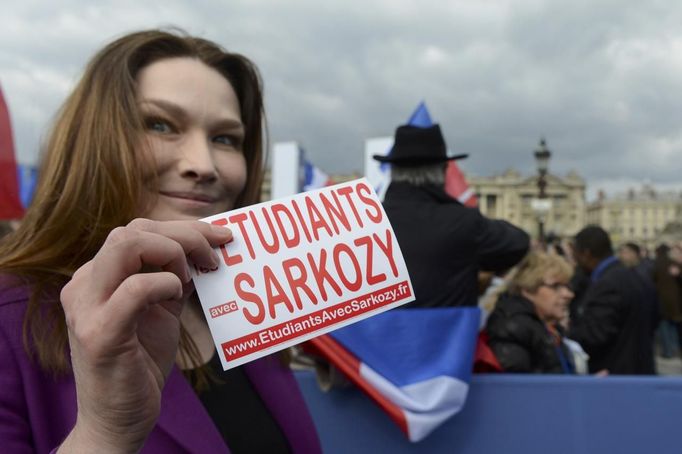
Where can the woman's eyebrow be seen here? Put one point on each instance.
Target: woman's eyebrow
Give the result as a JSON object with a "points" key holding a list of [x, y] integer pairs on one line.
{"points": [[179, 112], [229, 125], [168, 106]]}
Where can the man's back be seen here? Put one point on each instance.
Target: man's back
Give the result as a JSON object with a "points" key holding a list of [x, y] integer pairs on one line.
{"points": [[614, 323], [445, 244]]}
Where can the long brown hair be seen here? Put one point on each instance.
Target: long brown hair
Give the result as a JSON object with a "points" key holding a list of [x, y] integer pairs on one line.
{"points": [[93, 176]]}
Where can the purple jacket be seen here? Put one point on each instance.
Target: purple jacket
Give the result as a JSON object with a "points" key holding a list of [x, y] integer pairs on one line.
{"points": [[38, 411]]}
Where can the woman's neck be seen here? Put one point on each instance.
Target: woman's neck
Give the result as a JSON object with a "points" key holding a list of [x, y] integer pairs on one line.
{"points": [[194, 323]]}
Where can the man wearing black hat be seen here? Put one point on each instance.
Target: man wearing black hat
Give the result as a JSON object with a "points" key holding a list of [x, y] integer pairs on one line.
{"points": [[444, 243]]}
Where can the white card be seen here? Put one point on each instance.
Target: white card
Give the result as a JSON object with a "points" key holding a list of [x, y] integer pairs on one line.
{"points": [[300, 267]]}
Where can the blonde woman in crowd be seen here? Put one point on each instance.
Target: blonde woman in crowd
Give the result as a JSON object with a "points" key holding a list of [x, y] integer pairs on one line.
{"points": [[526, 327]]}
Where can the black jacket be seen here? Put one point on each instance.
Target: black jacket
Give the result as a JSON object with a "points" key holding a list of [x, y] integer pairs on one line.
{"points": [[445, 244], [614, 323], [521, 341]]}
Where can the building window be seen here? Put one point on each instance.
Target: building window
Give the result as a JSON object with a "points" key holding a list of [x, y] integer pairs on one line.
{"points": [[525, 200]]}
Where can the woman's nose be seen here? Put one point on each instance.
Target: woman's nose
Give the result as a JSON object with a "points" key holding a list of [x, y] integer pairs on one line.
{"points": [[197, 159]]}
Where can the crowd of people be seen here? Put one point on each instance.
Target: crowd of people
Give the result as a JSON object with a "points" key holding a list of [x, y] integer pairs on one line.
{"points": [[103, 342], [571, 308], [606, 311]]}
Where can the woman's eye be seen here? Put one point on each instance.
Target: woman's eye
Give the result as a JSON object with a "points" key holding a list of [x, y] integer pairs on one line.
{"points": [[227, 140], [159, 126]]}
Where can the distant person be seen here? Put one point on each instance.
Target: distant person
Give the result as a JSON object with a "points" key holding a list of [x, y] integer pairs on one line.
{"points": [[667, 280], [629, 254], [554, 245], [525, 329], [614, 320], [444, 243], [633, 256]]}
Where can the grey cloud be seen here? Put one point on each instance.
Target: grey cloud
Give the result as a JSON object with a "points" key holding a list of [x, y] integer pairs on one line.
{"points": [[601, 80]]}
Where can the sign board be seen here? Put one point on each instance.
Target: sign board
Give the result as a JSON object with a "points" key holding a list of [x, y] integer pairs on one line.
{"points": [[300, 267], [285, 178]]}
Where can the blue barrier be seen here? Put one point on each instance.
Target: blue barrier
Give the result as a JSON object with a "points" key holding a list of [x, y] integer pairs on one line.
{"points": [[516, 414]]}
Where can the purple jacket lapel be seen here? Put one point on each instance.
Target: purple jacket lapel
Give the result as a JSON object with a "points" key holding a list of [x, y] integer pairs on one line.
{"points": [[184, 418], [279, 390]]}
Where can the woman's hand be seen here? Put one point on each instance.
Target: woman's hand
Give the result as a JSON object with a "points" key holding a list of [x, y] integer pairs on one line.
{"points": [[122, 312]]}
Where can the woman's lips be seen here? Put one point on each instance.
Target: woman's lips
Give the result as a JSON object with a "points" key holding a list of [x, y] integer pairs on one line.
{"points": [[190, 196]]}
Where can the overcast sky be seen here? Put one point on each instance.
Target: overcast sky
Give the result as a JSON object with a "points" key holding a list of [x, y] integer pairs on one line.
{"points": [[600, 79]]}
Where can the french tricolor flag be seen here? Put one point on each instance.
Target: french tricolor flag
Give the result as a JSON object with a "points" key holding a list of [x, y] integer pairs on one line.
{"points": [[455, 184], [416, 364], [314, 177]]}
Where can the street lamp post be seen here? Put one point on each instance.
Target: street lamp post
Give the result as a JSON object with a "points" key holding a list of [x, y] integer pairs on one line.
{"points": [[542, 155]]}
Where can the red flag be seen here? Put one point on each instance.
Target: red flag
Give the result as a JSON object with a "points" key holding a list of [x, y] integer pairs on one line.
{"points": [[456, 186], [485, 360], [10, 203]]}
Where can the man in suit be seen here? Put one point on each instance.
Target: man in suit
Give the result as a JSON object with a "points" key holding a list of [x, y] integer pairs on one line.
{"points": [[444, 243], [614, 320]]}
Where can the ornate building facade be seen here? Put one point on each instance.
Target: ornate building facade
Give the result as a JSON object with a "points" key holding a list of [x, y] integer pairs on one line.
{"points": [[637, 216], [512, 197]]}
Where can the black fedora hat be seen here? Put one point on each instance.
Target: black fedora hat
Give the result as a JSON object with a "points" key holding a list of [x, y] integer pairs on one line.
{"points": [[415, 146]]}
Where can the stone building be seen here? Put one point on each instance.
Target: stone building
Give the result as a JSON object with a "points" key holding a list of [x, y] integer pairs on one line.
{"points": [[637, 216], [511, 196]]}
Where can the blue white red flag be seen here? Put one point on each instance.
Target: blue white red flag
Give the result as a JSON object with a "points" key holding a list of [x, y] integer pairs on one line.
{"points": [[455, 184], [420, 117], [313, 176], [416, 364]]}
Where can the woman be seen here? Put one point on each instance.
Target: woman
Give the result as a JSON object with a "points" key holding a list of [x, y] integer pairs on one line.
{"points": [[97, 310], [524, 329]]}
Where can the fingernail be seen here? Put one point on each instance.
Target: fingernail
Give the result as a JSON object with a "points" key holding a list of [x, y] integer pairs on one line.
{"points": [[216, 261]]}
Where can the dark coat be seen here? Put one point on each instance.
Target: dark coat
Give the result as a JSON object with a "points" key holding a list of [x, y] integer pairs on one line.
{"points": [[614, 323], [668, 287], [521, 341], [445, 244]]}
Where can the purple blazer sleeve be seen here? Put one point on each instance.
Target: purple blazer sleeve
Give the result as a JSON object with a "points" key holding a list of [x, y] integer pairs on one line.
{"points": [[37, 410]]}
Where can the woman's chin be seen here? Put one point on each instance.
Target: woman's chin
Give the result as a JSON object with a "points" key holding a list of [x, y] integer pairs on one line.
{"points": [[172, 215], [185, 214]]}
